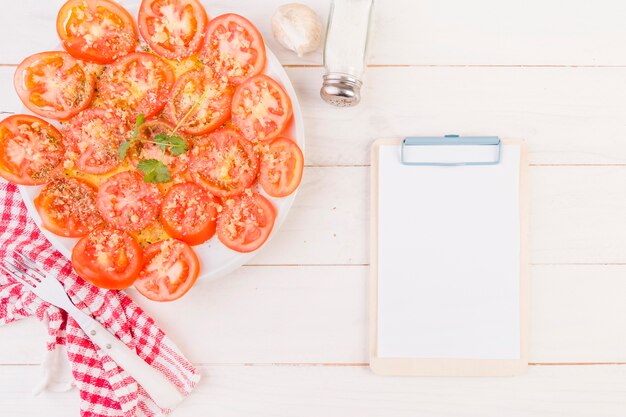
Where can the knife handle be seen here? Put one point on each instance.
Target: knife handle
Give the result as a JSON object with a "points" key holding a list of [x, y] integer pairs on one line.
{"points": [[162, 391]]}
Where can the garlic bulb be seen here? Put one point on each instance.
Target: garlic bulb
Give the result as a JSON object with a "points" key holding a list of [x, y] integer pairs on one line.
{"points": [[297, 27]]}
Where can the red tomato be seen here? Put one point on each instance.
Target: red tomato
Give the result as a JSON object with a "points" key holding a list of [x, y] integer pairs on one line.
{"points": [[200, 102], [281, 168], [261, 108], [67, 207], [31, 150], [189, 213], [128, 203], [224, 162], [54, 85], [96, 30], [92, 138], [107, 258], [146, 148], [170, 269], [234, 47], [137, 83], [174, 29], [246, 222]]}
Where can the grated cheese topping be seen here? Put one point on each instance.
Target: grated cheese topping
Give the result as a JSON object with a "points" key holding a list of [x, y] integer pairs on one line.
{"points": [[98, 28], [243, 219], [172, 27], [230, 51], [225, 161], [127, 202], [189, 207], [57, 82], [109, 249], [71, 202], [32, 149], [204, 94]]}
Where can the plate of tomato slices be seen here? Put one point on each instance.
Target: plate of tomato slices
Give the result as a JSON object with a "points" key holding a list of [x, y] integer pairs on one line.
{"points": [[159, 144]]}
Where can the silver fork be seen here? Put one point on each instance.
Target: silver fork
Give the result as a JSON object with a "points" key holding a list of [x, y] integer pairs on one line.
{"points": [[47, 287]]}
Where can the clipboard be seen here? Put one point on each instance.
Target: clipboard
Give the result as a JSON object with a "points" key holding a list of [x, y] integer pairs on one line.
{"points": [[429, 160]]}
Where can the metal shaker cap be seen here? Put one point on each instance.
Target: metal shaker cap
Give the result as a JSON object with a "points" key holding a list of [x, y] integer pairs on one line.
{"points": [[341, 90]]}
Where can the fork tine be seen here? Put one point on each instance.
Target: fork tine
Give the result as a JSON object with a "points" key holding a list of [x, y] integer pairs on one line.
{"points": [[27, 268], [33, 264], [22, 269], [15, 276], [23, 272]]}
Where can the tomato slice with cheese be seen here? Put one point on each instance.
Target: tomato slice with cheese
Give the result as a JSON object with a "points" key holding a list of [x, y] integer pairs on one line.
{"points": [[170, 268], [31, 150], [67, 207], [99, 31], [282, 164], [200, 102], [189, 213], [234, 47], [127, 202], [146, 147], [107, 258], [54, 84], [246, 222], [261, 108], [138, 83], [224, 162], [92, 138], [174, 29]]}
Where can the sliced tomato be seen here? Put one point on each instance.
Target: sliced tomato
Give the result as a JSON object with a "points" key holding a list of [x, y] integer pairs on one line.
{"points": [[189, 213], [67, 207], [128, 203], [261, 108], [146, 148], [54, 84], [224, 162], [31, 150], [174, 29], [138, 83], [234, 47], [246, 222], [281, 167], [92, 138], [200, 102], [107, 258], [99, 31], [170, 268]]}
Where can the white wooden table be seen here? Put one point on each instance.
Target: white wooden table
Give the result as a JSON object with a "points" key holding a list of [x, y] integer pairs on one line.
{"points": [[287, 334]]}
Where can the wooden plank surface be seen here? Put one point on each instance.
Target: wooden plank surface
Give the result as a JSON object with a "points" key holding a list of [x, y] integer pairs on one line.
{"points": [[318, 314], [39, 34], [576, 216], [405, 32], [552, 73], [313, 391], [567, 115]]}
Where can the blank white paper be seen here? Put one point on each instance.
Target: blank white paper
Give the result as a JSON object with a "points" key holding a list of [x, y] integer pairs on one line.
{"points": [[449, 258]]}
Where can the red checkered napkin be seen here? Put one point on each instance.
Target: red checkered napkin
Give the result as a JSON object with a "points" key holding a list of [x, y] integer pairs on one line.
{"points": [[105, 389]]}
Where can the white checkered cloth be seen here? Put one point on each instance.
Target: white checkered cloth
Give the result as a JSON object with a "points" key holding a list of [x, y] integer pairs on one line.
{"points": [[105, 389]]}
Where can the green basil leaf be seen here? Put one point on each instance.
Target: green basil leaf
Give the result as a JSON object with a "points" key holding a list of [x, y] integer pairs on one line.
{"points": [[123, 149], [162, 140], [154, 171], [178, 145], [138, 122]]}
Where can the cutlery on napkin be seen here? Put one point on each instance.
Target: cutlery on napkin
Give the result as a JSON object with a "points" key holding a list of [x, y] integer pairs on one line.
{"points": [[105, 389], [47, 286]]}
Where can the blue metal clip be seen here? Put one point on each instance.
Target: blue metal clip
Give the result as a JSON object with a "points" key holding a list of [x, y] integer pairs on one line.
{"points": [[453, 140]]}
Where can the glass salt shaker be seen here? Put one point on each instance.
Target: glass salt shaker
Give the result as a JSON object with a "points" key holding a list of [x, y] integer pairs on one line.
{"points": [[345, 51]]}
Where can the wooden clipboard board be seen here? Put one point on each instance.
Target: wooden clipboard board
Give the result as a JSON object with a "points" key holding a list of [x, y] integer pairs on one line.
{"points": [[407, 366]]}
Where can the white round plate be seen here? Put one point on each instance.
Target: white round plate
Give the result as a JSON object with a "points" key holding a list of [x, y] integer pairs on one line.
{"points": [[216, 259]]}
